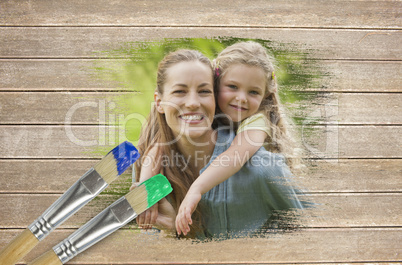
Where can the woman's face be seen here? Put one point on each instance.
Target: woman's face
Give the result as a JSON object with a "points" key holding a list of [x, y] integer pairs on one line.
{"points": [[188, 99]]}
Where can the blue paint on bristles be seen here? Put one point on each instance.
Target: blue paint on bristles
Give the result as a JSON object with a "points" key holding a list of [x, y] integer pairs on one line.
{"points": [[125, 155]]}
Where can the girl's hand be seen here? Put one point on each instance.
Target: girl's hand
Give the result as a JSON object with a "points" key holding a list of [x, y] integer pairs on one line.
{"points": [[187, 207]]}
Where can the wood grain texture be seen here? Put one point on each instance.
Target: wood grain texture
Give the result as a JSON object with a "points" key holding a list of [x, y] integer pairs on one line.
{"points": [[65, 142], [345, 175], [289, 13], [47, 50], [332, 210], [94, 108], [309, 246], [76, 75], [48, 176], [86, 42], [325, 176]]}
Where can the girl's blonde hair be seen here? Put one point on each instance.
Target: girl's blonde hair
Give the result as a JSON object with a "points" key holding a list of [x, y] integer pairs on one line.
{"points": [[156, 132], [254, 54]]}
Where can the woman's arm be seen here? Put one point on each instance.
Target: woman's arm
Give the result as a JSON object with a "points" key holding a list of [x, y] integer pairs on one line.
{"points": [[243, 147]]}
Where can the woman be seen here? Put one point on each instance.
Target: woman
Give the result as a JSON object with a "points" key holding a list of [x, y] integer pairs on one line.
{"points": [[179, 131]]}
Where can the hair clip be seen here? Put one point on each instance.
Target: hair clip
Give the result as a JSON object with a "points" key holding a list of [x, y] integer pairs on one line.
{"points": [[273, 75], [217, 72], [217, 69]]}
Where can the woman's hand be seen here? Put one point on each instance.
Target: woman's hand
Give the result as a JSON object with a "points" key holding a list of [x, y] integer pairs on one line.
{"points": [[166, 216], [148, 218], [187, 207], [161, 215]]}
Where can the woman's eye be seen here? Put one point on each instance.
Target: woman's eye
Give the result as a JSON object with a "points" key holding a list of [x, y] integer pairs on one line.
{"points": [[205, 91], [178, 92]]}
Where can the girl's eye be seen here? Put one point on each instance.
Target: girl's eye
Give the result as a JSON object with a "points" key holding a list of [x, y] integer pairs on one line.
{"points": [[253, 92], [232, 86]]}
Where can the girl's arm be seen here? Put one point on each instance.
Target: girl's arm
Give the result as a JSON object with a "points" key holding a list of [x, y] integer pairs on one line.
{"points": [[243, 147], [150, 167]]}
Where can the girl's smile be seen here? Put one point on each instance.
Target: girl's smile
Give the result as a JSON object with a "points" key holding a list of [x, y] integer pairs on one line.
{"points": [[239, 108]]}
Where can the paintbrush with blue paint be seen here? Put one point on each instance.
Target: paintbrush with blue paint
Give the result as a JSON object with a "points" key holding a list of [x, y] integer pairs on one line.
{"points": [[108, 221], [80, 193]]}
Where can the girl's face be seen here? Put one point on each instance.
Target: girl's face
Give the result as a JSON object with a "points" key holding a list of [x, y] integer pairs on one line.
{"points": [[241, 91], [188, 99]]}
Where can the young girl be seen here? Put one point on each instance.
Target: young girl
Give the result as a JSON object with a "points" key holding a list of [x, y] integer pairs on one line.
{"points": [[247, 95]]}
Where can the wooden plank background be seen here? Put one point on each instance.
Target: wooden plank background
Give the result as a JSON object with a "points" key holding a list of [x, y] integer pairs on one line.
{"points": [[355, 174]]}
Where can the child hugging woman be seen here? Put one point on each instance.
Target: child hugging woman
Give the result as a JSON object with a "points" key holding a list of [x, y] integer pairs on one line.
{"points": [[247, 95], [237, 197]]}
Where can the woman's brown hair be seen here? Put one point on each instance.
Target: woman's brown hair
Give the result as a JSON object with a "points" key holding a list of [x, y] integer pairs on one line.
{"points": [[156, 132]]}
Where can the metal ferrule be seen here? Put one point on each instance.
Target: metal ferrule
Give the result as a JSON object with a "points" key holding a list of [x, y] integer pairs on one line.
{"points": [[109, 220], [79, 194]]}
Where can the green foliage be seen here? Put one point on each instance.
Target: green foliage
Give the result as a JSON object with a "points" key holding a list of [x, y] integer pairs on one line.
{"points": [[132, 71]]}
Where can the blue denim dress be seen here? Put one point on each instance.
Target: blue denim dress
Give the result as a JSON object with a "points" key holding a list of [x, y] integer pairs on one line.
{"points": [[252, 201]]}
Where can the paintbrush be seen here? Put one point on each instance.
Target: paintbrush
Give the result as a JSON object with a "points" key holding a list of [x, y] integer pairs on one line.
{"points": [[79, 194], [108, 221]]}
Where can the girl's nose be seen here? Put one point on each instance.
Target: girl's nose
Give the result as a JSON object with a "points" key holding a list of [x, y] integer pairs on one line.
{"points": [[241, 97]]}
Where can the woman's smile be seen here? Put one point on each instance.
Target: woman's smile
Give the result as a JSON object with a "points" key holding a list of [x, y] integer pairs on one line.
{"points": [[188, 100], [192, 118]]}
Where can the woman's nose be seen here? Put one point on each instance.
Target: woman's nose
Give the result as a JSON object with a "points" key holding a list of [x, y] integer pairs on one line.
{"points": [[192, 101]]}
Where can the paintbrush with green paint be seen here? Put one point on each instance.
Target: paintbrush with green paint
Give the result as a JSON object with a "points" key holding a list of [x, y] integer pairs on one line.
{"points": [[80, 193], [108, 221]]}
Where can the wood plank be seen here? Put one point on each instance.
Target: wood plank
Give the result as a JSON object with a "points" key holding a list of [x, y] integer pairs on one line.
{"points": [[83, 42], [350, 76], [311, 246], [373, 175], [60, 107], [94, 108], [333, 210], [49, 75], [349, 109], [289, 13], [47, 176], [84, 141], [56, 75], [352, 141], [362, 175]]}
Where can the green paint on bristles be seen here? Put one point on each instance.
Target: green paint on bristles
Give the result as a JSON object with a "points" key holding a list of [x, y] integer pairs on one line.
{"points": [[157, 187]]}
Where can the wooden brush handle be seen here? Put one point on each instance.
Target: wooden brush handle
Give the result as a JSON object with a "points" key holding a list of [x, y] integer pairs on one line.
{"points": [[18, 248], [49, 258]]}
